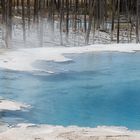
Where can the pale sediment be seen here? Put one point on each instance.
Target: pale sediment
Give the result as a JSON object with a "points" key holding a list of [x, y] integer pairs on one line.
{"points": [[23, 59], [11, 105], [46, 132]]}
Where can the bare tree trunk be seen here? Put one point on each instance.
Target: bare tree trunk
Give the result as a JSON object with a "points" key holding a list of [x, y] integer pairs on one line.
{"points": [[61, 21], [85, 15], [113, 14], [137, 22], [67, 18], [118, 28], [41, 24], [90, 21], [23, 20], [29, 13], [8, 22]]}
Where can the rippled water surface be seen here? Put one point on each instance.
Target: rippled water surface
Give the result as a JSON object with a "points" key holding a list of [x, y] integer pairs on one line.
{"points": [[93, 89]]}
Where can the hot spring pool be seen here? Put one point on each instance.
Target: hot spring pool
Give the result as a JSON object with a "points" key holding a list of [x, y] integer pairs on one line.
{"points": [[93, 89]]}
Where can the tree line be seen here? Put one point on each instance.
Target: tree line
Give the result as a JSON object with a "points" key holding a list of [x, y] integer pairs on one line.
{"points": [[95, 15]]}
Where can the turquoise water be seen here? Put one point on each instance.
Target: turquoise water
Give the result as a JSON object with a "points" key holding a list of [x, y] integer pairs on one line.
{"points": [[93, 89]]}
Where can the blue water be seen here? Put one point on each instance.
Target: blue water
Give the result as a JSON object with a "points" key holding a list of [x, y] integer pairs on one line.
{"points": [[93, 89]]}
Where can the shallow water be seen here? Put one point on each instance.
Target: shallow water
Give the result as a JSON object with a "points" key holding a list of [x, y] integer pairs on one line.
{"points": [[93, 89]]}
